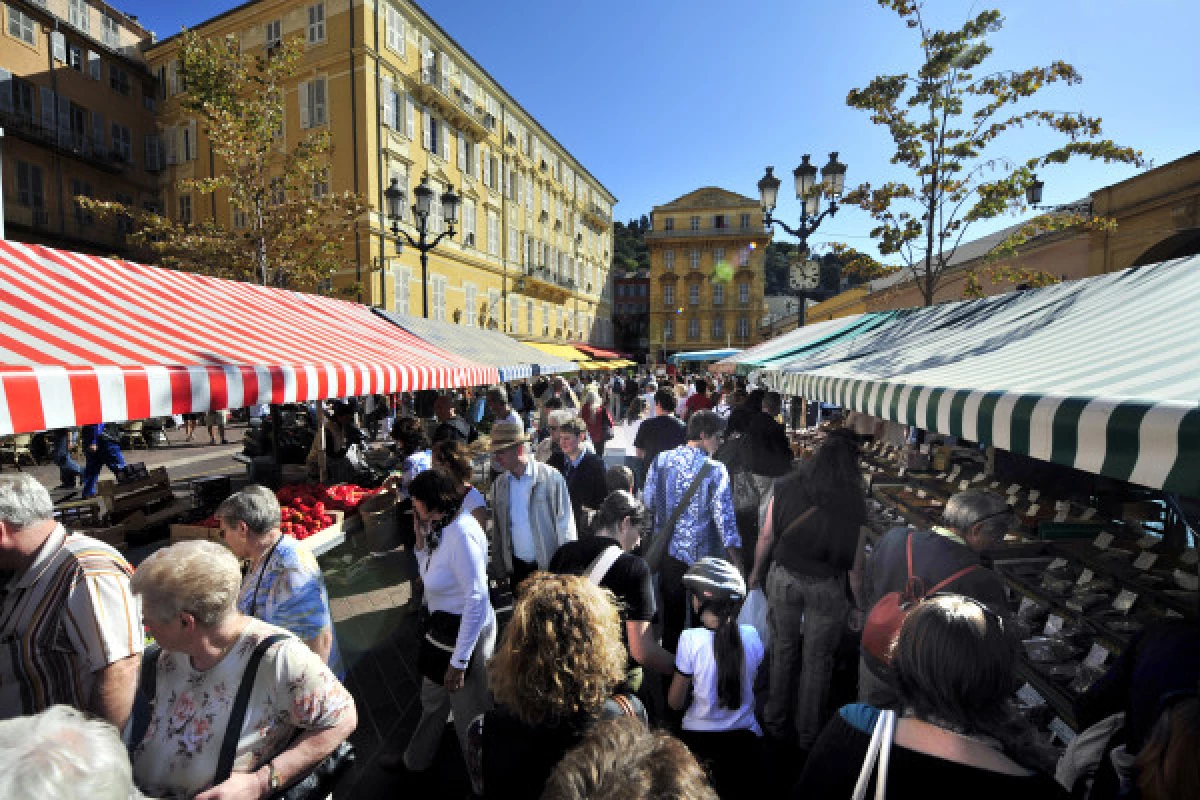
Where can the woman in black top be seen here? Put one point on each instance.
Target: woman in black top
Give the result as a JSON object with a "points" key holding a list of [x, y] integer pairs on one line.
{"points": [[806, 585], [958, 735]]}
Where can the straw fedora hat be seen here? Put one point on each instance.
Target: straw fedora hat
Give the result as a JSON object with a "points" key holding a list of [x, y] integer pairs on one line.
{"points": [[505, 435]]}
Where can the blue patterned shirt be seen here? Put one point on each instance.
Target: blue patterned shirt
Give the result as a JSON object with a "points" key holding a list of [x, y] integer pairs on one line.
{"points": [[709, 516], [291, 595]]}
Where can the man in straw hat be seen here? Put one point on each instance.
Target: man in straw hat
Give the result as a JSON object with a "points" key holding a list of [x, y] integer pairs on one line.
{"points": [[531, 508]]}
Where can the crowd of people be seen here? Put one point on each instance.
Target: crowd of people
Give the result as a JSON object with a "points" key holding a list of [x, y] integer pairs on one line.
{"points": [[627, 667]]}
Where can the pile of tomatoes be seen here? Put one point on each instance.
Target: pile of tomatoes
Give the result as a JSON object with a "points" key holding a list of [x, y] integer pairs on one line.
{"points": [[306, 507]]}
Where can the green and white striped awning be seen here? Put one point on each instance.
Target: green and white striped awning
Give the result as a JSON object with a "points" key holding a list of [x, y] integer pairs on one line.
{"points": [[791, 345], [1101, 374]]}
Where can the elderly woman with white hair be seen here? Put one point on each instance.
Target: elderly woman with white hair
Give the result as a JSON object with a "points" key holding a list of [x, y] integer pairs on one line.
{"points": [[196, 744], [284, 585], [63, 753]]}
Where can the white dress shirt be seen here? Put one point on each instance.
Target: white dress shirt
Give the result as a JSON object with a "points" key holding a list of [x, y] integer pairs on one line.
{"points": [[520, 492]]}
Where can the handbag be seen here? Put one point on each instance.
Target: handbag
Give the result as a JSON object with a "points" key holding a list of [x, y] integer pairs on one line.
{"points": [[746, 497], [878, 751], [658, 548], [606, 426], [439, 636], [319, 781]]}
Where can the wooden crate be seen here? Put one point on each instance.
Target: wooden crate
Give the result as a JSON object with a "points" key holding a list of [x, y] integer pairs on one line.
{"points": [[137, 495], [183, 533]]}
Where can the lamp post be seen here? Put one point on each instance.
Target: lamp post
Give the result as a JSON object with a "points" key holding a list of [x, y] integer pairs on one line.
{"points": [[808, 192], [421, 209], [1033, 197]]}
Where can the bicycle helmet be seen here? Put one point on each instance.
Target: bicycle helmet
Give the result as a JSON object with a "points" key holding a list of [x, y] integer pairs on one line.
{"points": [[715, 579]]}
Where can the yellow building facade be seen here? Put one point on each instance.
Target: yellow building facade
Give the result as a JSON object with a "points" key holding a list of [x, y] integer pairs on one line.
{"points": [[78, 106], [707, 281], [404, 102]]}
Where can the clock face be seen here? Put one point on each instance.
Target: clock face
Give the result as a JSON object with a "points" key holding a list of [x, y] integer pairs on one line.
{"points": [[805, 275]]}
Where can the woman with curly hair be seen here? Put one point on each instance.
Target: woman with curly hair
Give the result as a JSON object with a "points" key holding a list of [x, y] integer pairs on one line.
{"points": [[553, 676]]}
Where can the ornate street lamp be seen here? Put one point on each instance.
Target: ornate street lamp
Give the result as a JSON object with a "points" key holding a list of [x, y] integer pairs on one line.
{"points": [[421, 208], [809, 193]]}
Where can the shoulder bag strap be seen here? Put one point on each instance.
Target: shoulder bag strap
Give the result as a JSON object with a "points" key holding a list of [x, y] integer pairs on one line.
{"points": [[792, 527], [659, 548], [237, 715], [937, 587], [603, 563], [878, 751], [143, 700]]}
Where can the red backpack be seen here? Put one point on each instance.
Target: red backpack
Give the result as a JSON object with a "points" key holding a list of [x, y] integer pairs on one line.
{"points": [[887, 615]]}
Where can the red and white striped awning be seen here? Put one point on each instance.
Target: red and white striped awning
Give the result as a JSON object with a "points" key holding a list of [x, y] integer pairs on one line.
{"points": [[85, 339]]}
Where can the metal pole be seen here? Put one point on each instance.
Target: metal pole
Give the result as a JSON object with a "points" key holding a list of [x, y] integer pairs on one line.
{"points": [[422, 246], [1, 183]]}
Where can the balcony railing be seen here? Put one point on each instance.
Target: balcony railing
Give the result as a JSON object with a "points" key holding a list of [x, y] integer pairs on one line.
{"points": [[702, 233], [435, 88], [68, 142]]}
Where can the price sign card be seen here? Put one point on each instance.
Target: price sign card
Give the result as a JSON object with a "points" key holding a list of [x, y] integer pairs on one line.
{"points": [[1062, 505], [921, 493], [1027, 605], [978, 478], [1030, 697], [1054, 624], [902, 471], [1062, 730], [941, 476], [1187, 580], [1016, 487], [1033, 510], [1104, 541], [1061, 516], [925, 449], [1088, 513], [1057, 564], [908, 489], [1085, 577], [1147, 541], [964, 485], [954, 472], [1011, 500], [1096, 656], [1125, 601], [1145, 560], [1034, 494]]}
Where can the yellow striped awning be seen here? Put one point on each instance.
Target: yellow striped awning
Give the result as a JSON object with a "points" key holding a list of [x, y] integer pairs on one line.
{"points": [[561, 351]]}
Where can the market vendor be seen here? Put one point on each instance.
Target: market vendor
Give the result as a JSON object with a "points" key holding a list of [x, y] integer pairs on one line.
{"points": [[343, 443]]}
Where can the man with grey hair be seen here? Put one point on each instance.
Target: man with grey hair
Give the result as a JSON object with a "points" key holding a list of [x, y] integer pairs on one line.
{"points": [[61, 753], [70, 624], [498, 406], [974, 521], [284, 585]]}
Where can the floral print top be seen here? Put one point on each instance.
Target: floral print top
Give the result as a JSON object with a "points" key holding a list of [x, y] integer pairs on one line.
{"points": [[293, 691]]}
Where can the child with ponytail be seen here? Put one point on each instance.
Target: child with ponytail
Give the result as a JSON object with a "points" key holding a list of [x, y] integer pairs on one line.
{"points": [[717, 661]]}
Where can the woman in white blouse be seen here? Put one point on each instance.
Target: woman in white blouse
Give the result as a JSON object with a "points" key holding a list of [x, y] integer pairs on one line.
{"points": [[451, 552]]}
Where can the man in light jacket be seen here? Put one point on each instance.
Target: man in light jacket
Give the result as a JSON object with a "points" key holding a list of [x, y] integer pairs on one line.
{"points": [[531, 508]]}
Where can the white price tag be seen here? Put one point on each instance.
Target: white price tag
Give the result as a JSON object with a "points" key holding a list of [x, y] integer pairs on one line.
{"points": [[1188, 557], [1186, 580], [994, 485], [1034, 494], [902, 471], [1057, 564], [1125, 601], [1060, 516], [1054, 624], [1062, 505], [1085, 577], [1147, 541], [978, 478], [1030, 697], [1016, 487], [925, 449], [921, 493], [1011, 500], [941, 476], [1097, 655], [908, 489], [1104, 541], [1033, 510], [1145, 560], [1027, 604], [964, 485], [954, 472], [1088, 513], [1062, 730]]}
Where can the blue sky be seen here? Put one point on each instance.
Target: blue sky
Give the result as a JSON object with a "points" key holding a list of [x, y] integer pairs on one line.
{"points": [[659, 97]]}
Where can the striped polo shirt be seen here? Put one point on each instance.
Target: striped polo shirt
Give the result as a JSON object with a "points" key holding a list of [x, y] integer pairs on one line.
{"points": [[68, 615]]}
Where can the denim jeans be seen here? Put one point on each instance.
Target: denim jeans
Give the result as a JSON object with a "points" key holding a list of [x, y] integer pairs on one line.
{"points": [[807, 616], [107, 454], [68, 470]]}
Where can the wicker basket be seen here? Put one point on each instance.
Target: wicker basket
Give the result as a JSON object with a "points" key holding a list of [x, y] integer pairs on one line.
{"points": [[379, 518]]}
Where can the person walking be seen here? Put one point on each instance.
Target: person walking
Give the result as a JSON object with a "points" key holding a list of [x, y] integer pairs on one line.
{"points": [[691, 506], [583, 471], [531, 508], [60, 453], [599, 422], [662, 431], [816, 535], [101, 449]]}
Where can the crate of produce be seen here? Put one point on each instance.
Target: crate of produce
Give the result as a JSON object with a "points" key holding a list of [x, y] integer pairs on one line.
{"points": [[207, 530]]}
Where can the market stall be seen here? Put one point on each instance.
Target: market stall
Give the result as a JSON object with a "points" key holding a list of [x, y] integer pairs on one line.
{"points": [[700, 356], [1080, 404], [793, 344], [513, 360], [85, 339]]}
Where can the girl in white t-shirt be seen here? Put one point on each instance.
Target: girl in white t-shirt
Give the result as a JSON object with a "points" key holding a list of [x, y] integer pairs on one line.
{"points": [[717, 661]]}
